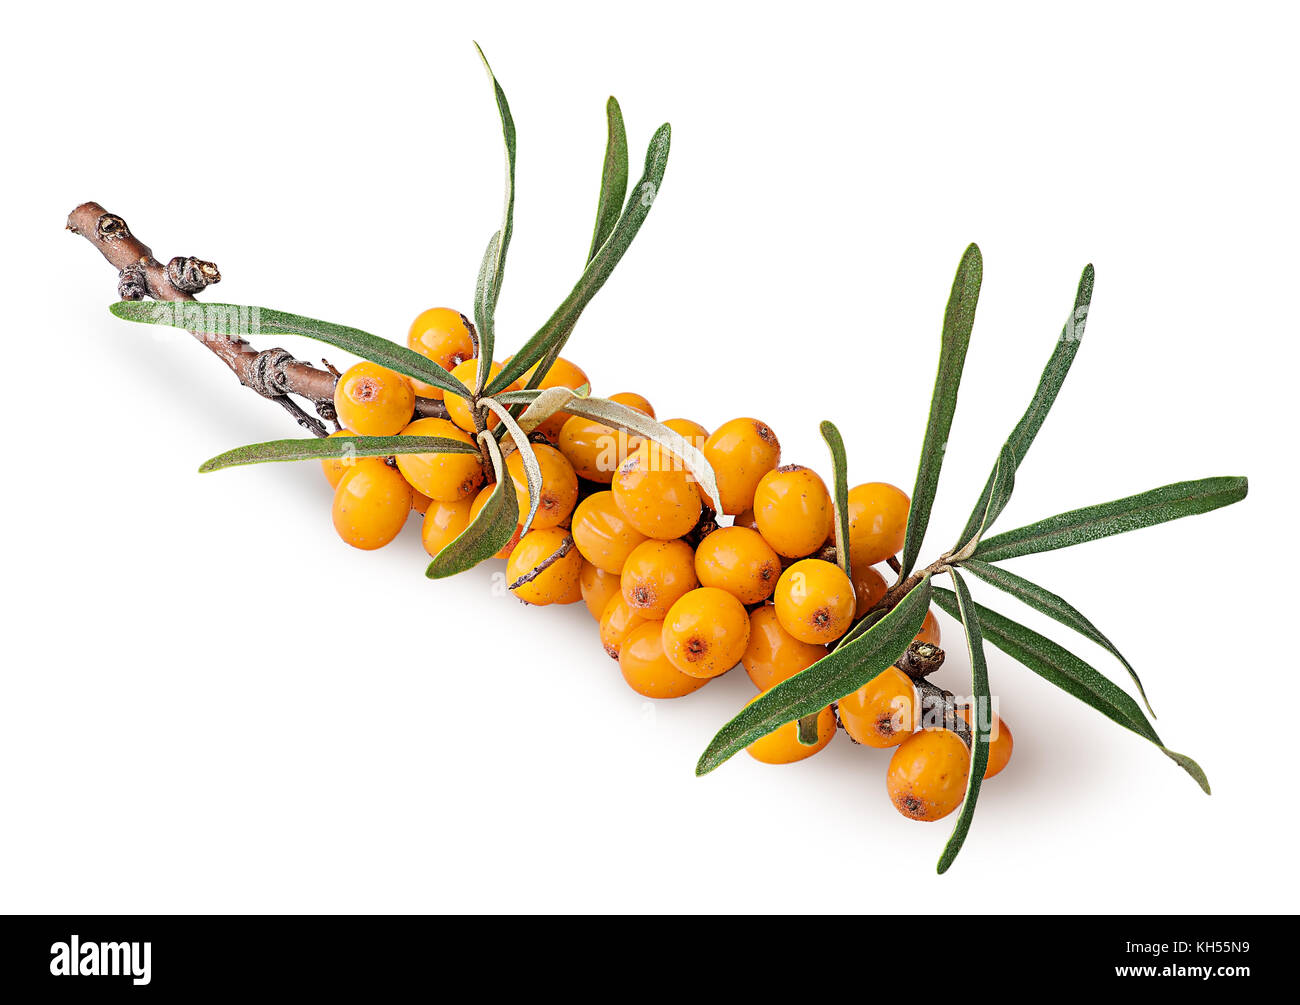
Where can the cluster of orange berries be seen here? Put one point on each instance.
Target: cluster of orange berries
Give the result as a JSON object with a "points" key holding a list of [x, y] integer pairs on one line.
{"points": [[622, 526]]}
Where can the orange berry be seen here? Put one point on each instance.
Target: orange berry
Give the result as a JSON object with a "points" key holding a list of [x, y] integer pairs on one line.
{"points": [[617, 622], [927, 774], [633, 400], [561, 374], [458, 408], [739, 561], [647, 669], [559, 485], [443, 523], [371, 504], [741, 452], [1000, 744], [548, 563], [782, 746], [594, 449], [883, 712], [773, 654], [814, 601], [694, 433], [602, 533], [336, 467], [420, 502], [656, 493], [929, 630], [373, 401], [572, 595], [745, 518], [877, 522], [793, 510], [443, 336], [480, 500], [656, 575], [705, 632], [869, 587], [445, 477], [598, 588]]}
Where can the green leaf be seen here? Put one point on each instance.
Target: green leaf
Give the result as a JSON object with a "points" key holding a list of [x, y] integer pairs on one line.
{"points": [[238, 319], [546, 404], [611, 413], [488, 532], [1049, 385], [1057, 608], [485, 302], [1061, 667], [1003, 484], [613, 178], [532, 470], [864, 624], [840, 496], [1169, 502], [547, 344], [979, 751], [314, 449], [829, 679], [958, 319]]}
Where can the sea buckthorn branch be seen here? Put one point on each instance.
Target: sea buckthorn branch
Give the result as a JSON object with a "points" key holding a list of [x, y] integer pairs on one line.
{"points": [[272, 373]]}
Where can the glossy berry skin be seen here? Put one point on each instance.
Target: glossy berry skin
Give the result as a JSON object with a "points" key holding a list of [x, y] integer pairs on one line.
{"points": [[598, 588], [648, 670], [633, 400], [656, 493], [814, 601], [420, 502], [573, 595], [603, 534], [559, 485], [562, 374], [869, 587], [444, 477], [881, 713], [480, 500], [739, 561], [443, 336], [745, 518], [373, 401], [929, 630], [336, 467], [617, 622], [594, 449], [741, 452], [877, 522], [999, 746], [782, 746], [555, 583], [793, 510], [443, 523], [371, 504], [705, 632], [774, 655], [656, 575], [458, 409], [692, 431], [927, 774]]}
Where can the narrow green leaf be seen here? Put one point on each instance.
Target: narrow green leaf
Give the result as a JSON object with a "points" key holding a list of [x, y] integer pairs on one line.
{"points": [[613, 178], [979, 751], [238, 319], [1049, 385], [864, 624], [488, 532], [840, 495], [958, 319], [485, 306], [1004, 482], [549, 340], [546, 404], [829, 679], [314, 449], [1057, 608], [484, 311], [1169, 502], [611, 413], [532, 470], [1061, 667]]}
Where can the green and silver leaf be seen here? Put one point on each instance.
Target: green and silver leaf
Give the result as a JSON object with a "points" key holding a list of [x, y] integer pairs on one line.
{"points": [[546, 404], [613, 178], [958, 320], [314, 449], [485, 300], [829, 679], [490, 530], [1169, 502], [839, 494], [532, 470]]}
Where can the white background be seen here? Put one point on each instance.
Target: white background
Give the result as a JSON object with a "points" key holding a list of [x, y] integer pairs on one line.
{"points": [[211, 704]]}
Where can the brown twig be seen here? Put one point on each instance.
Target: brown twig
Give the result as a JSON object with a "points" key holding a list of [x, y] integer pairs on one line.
{"points": [[272, 373]]}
